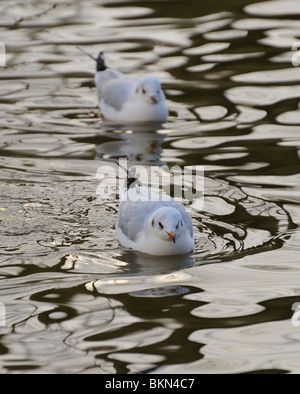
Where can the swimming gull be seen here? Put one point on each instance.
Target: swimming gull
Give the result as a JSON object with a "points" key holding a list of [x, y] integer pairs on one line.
{"points": [[152, 223]]}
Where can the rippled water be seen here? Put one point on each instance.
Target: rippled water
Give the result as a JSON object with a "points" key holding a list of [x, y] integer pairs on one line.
{"points": [[75, 301]]}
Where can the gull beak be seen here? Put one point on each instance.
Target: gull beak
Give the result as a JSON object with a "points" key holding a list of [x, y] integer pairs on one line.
{"points": [[154, 99], [171, 235]]}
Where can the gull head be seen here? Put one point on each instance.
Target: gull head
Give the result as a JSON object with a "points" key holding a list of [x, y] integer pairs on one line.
{"points": [[166, 223], [149, 90]]}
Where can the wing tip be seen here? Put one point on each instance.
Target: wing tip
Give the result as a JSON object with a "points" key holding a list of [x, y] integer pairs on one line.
{"points": [[101, 66]]}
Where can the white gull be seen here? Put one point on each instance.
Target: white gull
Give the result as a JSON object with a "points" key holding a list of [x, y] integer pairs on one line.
{"points": [[152, 223], [124, 99]]}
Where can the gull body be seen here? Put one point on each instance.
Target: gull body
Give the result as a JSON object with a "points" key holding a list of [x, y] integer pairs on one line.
{"points": [[123, 99], [153, 224]]}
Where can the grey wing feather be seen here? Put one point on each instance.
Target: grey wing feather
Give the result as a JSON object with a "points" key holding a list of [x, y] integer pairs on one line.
{"points": [[113, 88], [116, 93], [132, 216]]}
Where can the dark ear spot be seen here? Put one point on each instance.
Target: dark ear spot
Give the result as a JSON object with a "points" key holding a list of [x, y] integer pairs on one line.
{"points": [[152, 223]]}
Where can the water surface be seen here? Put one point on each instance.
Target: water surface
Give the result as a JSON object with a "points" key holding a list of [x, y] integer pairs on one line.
{"points": [[77, 302]]}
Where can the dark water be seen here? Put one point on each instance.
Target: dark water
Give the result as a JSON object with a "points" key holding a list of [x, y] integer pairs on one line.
{"points": [[76, 302]]}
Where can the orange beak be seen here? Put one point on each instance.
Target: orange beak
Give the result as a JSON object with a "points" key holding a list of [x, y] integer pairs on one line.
{"points": [[171, 235], [154, 99]]}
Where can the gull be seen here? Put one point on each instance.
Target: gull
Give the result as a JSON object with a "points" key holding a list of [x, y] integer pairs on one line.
{"points": [[151, 223], [129, 100]]}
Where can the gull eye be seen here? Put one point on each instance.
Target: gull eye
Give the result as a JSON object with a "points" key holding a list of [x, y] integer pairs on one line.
{"points": [[177, 227], [152, 223], [160, 225], [143, 91]]}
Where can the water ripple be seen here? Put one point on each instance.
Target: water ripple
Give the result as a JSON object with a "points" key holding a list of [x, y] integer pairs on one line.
{"points": [[76, 302]]}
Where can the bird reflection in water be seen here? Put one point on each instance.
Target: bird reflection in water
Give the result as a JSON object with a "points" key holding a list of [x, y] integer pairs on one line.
{"points": [[138, 143], [139, 263]]}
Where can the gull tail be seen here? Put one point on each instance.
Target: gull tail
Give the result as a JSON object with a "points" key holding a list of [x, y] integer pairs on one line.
{"points": [[101, 66], [131, 179], [100, 62]]}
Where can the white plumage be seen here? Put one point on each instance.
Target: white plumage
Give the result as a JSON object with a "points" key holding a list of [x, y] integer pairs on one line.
{"points": [[153, 224], [123, 99]]}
